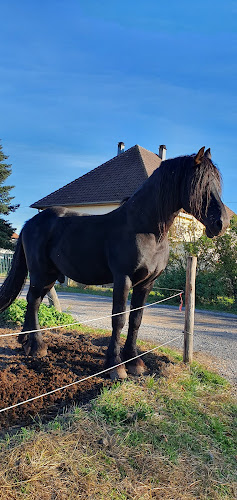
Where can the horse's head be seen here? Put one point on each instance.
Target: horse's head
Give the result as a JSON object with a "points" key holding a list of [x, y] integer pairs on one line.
{"points": [[203, 196]]}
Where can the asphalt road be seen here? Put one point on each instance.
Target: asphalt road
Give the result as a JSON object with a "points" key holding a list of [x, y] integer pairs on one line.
{"points": [[215, 333]]}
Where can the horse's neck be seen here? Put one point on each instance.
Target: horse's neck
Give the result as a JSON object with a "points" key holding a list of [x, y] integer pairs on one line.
{"points": [[146, 212]]}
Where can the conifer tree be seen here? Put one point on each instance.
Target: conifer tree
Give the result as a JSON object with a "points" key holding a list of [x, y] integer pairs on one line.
{"points": [[6, 207]]}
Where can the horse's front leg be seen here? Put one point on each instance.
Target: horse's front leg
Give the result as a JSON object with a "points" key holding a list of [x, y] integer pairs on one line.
{"points": [[33, 343], [139, 296], [120, 295]]}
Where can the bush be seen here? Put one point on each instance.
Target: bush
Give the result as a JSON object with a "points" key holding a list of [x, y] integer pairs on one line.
{"points": [[48, 316], [216, 280]]}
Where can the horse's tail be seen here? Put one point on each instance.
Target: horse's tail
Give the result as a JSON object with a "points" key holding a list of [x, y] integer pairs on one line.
{"points": [[15, 280]]}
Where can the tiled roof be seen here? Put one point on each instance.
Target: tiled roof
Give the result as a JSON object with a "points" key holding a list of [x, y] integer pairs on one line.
{"points": [[111, 182], [230, 212]]}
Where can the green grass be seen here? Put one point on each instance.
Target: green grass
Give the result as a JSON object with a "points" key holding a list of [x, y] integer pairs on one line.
{"points": [[177, 418], [221, 304], [190, 414], [118, 406], [174, 355], [88, 290]]}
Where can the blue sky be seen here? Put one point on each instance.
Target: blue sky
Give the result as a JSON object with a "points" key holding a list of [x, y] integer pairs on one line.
{"points": [[76, 77]]}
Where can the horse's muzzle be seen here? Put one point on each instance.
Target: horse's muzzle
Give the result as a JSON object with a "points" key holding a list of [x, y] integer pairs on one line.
{"points": [[217, 228]]}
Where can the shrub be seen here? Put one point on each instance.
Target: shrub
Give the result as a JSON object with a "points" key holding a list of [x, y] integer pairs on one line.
{"points": [[216, 281], [48, 316]]}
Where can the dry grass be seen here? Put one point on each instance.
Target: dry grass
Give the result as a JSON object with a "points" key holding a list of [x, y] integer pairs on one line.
{"points": [[135, 441], [86, 461]]}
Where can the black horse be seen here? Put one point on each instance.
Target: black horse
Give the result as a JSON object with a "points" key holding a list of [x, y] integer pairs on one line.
{"points": [[128, 247]]}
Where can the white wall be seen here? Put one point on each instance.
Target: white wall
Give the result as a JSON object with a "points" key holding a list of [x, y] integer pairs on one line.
{"points": [[94, 209]]}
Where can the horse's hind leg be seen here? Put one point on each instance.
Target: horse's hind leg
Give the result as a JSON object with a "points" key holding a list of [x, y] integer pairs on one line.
{"points": [[33, 343], [139, 296], [120, 295]]}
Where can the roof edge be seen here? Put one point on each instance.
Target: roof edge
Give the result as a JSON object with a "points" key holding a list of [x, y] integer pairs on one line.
{"points": [[112, 202]]}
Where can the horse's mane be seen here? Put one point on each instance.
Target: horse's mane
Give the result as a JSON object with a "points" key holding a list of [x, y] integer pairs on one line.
{"points": [[173, 177], [202, 182]]}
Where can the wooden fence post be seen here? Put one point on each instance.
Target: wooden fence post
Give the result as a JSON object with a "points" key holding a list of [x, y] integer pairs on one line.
{"points": [[189, 309], [54, 300]]}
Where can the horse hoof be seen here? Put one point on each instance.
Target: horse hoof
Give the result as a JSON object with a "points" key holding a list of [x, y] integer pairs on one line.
{"points": [[118, 373], [41, 352], [36, 351], [22, 339], [136, 367]]}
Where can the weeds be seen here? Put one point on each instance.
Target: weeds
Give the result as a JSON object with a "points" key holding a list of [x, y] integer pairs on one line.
{"points": [[122, 406], [48, 316]]}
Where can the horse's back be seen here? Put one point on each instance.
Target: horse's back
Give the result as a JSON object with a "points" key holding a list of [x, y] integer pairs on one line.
{"points": [[74, 243]]}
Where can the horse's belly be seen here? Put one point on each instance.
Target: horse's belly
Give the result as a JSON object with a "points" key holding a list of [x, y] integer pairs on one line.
{"points": [[91, 277], [88, 267]]}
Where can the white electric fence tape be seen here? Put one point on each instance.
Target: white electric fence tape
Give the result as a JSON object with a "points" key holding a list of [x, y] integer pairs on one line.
{"points": [[88, 377], [92, 319]]}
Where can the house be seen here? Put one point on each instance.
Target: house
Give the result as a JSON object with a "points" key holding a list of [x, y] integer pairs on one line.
{"points": [[104, 188], [14, 238]]}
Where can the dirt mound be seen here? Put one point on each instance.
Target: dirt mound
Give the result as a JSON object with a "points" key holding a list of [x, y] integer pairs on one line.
{"points": [[71, 356]]}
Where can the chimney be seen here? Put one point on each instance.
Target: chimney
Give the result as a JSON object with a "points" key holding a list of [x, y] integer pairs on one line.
{"points": [[162, 152], [121, 147]]}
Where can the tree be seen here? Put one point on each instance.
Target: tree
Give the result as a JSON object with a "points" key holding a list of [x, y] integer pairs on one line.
{"points": [[6, 207], [6, 231], [226, 247], [216, 268]]}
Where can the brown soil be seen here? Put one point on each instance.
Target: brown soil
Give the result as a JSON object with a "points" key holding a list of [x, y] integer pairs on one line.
{"points": [[71, 356]]}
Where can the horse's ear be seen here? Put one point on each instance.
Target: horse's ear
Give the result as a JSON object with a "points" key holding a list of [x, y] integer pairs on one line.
{"points": [[208, 154], [199, 155]]}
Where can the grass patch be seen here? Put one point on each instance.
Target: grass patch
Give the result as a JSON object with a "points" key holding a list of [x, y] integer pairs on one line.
{"points": [[122, 406], [154, 295], [199, 374], [174, 355], [155, 437], [90, 289], [186, 413], [222, 304]]}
